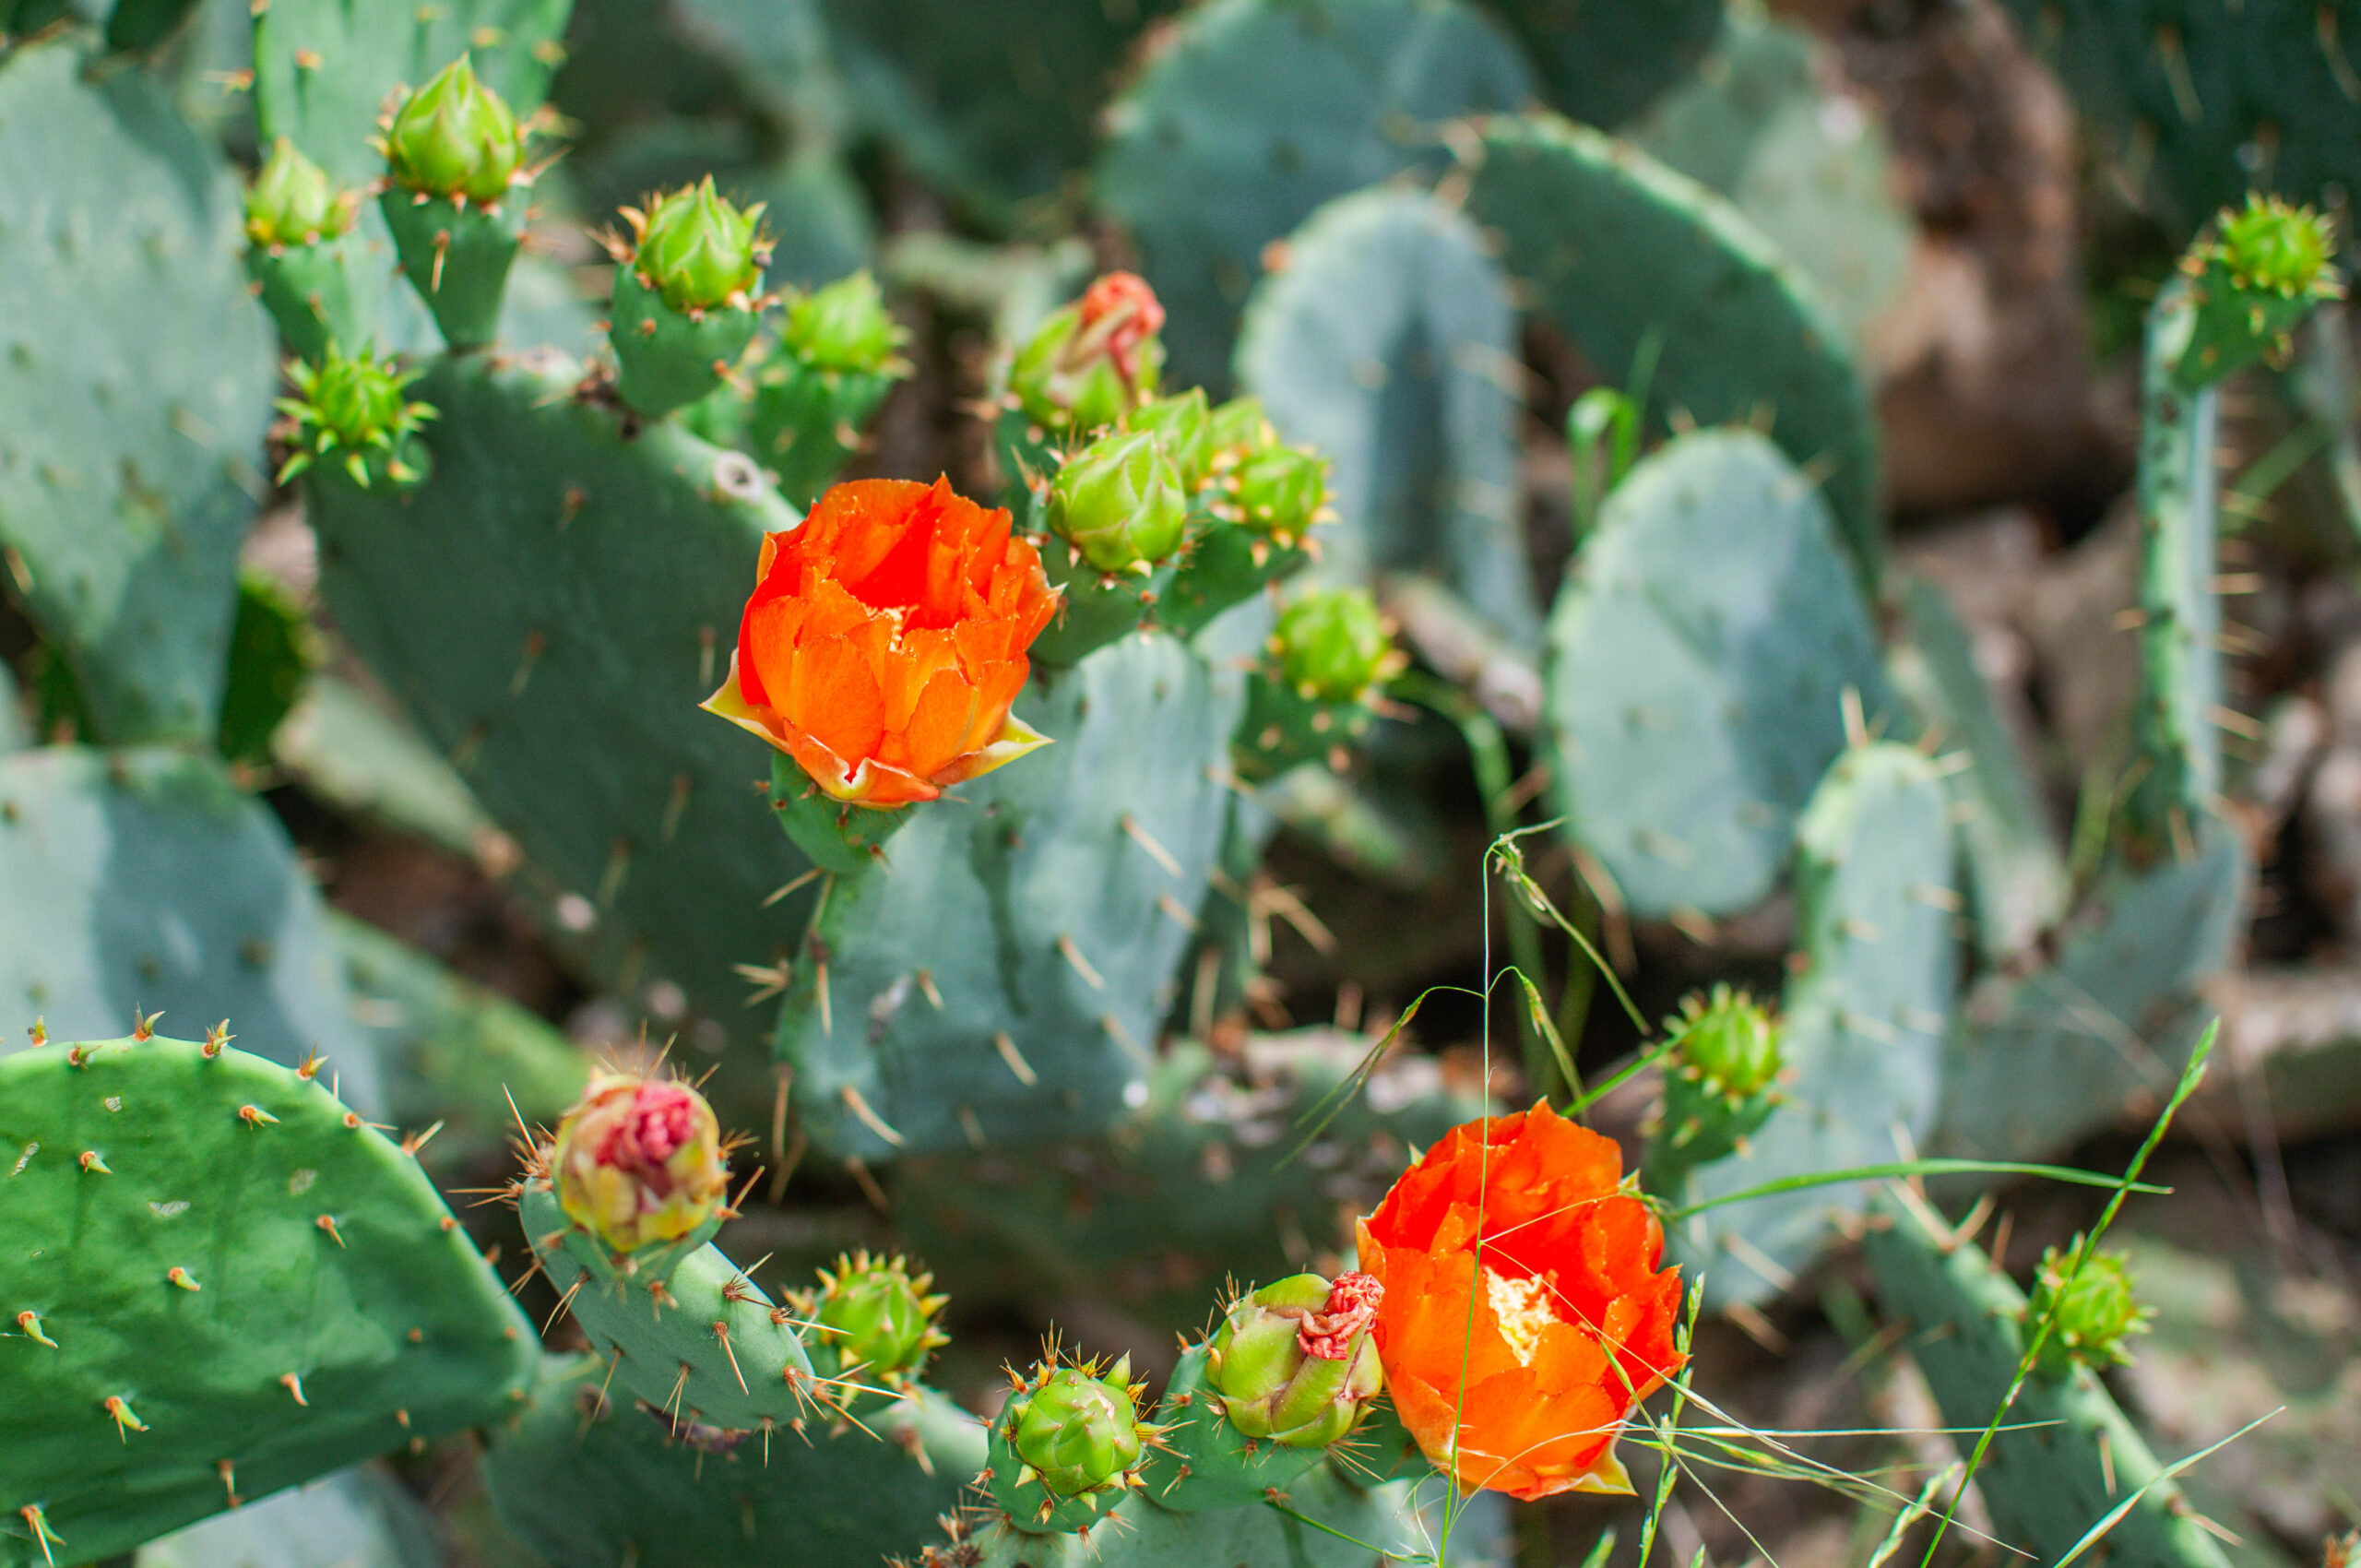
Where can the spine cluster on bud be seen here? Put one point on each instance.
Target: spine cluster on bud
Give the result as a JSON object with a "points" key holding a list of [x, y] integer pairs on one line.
{"points": [[638, 1162], [2095, 1307], [1720, 1085], [350, 409], [2267, 266], [874, 1325], [1067, 1445], [1316, 690], [687, 295]]}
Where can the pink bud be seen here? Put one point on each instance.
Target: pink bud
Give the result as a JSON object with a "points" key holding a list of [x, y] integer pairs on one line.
{"points": [[1352, 1307], [638, 1161], [1120, 312]]}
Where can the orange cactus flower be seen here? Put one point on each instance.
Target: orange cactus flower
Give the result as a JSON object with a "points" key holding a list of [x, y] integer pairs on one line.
{"points": [[1514, 1369], [886, 640]]}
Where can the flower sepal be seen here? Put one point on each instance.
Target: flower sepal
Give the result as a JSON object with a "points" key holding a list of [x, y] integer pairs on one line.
{"points": [[1207, 1462], [840, 836]]}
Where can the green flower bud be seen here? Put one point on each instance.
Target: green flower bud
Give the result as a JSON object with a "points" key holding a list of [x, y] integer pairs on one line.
{"points": [[1093, 361], [1184, 427], [352, 405], [1333, 645], [1280, 491], [2096, 1309], [1067, 1443], [1119, 502], [876, 1319], [2271, 247], [1295, 1362], [455, 137], [1728, 1045], [845, 327], [2267, 267], [295, 202], [1239, 429], [697, 249]]}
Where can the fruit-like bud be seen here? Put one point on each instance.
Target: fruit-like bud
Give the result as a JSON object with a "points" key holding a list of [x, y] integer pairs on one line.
{"points": [[2095, 1310], [1720, 1085], [1093, 361], [845, 327], [1067, 1443], [1119, 502], [697, 249], [1182, 425], [1729, 1044], [638, 1161], [876, 1322], [1294, 1361], [353, 406], [1280, 491], [1239, 429], [295, 202], [2271, 247], [2267, 265], [455, 137], [1331, 645]]}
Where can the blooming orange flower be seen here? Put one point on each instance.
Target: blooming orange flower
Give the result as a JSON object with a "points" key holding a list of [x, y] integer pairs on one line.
{"points": [[887, 640], [1516, 1370]]}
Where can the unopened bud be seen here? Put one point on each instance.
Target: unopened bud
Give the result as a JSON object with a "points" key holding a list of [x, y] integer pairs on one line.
{"points": [[1728, 1044], [2095, 1310], [1119, 502], [1281, 490], [1184, 427], [638, 1161], [1239, 429], [351, 409], [844, 326], [1333, 645], [2267, 265], [697, 249], [455, 137], [875, 1320], [294, 201], [1093, 361], [1067, 1443], [1294, 1361]]}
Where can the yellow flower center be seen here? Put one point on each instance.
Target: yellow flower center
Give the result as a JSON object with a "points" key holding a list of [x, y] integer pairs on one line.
{"points": [[1522, 1308]]}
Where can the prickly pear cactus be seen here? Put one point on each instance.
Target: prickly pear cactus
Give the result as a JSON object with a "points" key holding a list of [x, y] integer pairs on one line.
{"points": [[489, 599], [1690, 715], [1602, 63], [1004, 974], [2065, 1457], [1249, 113], [1386, 343], [1067, 1445], [132, 395], [594, 1479], [222, 1282], [1617, 249], [1323, 1522], [164, 888], [1863, 1016]]}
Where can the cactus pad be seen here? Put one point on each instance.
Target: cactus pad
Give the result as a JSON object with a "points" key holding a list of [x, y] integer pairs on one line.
{"points": [[1388, 344], [134, 387], [1603, 62], [1253, 112], [1864, 1018], [603, 1483], [1003, 975], [1692, 715], [1613, 247], [237, 1285], [164, 888]]}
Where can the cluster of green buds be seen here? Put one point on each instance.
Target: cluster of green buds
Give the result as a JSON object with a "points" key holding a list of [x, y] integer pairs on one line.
{"points": [[1091, 361], [638, 1163], [296, 219], [1261, 500], [1720, 1084], [1317, 689], [453, 154], [687, 295], [2267, 266], [1113, 523], [2093, 1309], [846, 328], [1067, 1445], [350, 410], [873, 1326]]}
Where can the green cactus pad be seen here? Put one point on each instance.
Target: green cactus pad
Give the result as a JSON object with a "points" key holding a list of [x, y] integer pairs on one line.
{"points": [[1207, 1462], [164, 888], [324, 68], [555, 592], [1388, 344], [1615, 250], [2185, 96], [1689, 716], [601, 1483], [269, 1289], [452, 1054], [806, 423], [1320, 1522], [2016, 878], [668, 358], [457, 257], [2065, 1457], [1004, 975], [699, 1341], [134, 392], [2133, 962], [1865, 1017], [1603, 64], [1253, 112]]}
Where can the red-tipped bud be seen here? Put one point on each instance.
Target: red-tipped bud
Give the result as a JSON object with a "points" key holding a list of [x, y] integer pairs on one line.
{"points": [[1294, 1361], [638, 1161]]}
